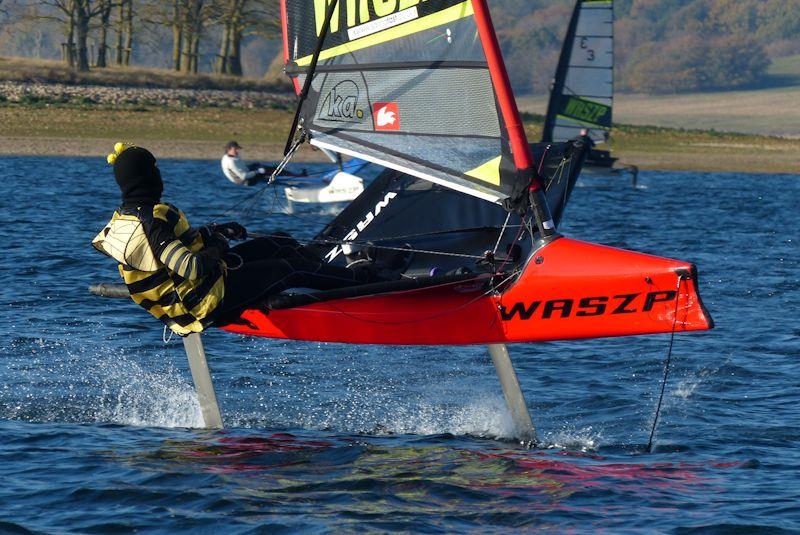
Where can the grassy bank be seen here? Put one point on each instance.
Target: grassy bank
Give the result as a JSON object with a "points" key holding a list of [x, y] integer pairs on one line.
{"points": [[201, 133]]}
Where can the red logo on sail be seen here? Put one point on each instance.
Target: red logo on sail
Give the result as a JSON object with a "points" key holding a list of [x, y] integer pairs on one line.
{"points": [[386, 115]]}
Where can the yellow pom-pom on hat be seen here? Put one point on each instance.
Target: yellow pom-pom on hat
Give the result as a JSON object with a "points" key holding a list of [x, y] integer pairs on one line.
{"points": [[119, 148]]}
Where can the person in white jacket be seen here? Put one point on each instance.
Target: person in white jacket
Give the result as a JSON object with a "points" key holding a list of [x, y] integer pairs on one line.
{"points": [[237, 171]]}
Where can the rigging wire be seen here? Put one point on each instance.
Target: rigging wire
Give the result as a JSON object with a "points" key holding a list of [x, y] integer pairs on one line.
{"points": [[667, 362], [502, 232], [326, 25], [372, 244], [287, 157]]}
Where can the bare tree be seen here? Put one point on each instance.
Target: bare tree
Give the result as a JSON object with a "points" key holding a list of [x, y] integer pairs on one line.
{"points": [[196, 15], [170, 15], [177, 35], [64, 12], [238, 19], [128, 4], [124, 30], [120, 28], [83, 15], [76, 15], [102, 43]]}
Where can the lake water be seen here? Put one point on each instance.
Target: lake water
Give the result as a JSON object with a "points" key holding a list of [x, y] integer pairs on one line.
{"points": [[96, 411]]}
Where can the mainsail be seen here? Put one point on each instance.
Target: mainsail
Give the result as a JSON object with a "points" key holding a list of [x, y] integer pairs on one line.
{"points": [[406, 84], [583, 89]]}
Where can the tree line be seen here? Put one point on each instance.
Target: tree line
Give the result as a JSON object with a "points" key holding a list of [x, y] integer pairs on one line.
{"points": [[115, 28], [661, 46]]}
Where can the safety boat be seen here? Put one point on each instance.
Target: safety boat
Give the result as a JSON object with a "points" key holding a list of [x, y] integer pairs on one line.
{"points": [[582, 91]]}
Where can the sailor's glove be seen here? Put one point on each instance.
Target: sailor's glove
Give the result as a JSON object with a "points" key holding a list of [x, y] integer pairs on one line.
{"points": [[231, 231], [215, 245]]}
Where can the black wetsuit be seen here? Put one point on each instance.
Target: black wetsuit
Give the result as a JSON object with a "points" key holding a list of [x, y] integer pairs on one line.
{"points": [[270, 265]]}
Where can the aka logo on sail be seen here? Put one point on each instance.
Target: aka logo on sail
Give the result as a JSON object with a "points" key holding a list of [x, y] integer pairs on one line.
{"points": [[341, 104]]}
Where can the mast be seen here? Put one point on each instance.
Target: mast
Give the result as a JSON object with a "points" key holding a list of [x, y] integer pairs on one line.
{"points": [[561, 75], [523, 156], [285, 34]]}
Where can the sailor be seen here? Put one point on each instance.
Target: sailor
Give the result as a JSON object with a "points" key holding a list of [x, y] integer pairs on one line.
{"points": [[189, 278], [586, 138], [238, 172], [241, 173]]}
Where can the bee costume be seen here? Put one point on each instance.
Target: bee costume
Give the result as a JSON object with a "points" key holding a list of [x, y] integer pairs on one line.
{"points": [[171, 270], [179, 274]]}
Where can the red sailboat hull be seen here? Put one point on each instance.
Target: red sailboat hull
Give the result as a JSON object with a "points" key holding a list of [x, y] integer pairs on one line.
{"points": [[569, 290]]}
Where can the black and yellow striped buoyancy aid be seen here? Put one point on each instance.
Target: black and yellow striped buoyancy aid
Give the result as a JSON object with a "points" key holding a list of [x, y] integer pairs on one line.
{"points": [[184, 303]]}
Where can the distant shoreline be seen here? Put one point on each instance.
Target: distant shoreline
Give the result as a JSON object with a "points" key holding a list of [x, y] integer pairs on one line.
{"points": [[175, 150], [199, 133]]}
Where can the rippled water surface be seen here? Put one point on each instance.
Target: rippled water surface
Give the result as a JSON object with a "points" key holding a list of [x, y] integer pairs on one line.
{"points": [[96, 411]]}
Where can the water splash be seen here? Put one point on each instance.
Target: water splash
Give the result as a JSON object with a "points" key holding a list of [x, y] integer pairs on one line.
{"points": [[585, 439], [145, 398], [487, 417], [53, 380]]}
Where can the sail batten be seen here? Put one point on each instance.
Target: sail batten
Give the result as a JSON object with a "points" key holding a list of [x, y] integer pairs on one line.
{"points": [[408, 84]]}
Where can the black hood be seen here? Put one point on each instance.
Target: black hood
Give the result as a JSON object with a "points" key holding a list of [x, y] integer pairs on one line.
{"points": [[138, 177]]}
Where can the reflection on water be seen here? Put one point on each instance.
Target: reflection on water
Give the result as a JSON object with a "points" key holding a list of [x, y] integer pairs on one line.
{"points": [[423, 477]]}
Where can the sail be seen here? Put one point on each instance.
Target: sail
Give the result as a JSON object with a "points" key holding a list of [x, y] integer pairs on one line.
{"points": [[405, 84], [399, 210], [583, 89]]}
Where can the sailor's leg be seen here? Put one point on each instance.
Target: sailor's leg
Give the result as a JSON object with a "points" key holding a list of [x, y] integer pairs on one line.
{"points": [[513, 393], [255, 281], [276, 245], [202, 381]]}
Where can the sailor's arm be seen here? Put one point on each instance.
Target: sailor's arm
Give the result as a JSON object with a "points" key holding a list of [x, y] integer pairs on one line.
{"points": [[177, 257]]}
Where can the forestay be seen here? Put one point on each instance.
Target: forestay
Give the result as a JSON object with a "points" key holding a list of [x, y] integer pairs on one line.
{"points": [[583, 89], [405, 84]]}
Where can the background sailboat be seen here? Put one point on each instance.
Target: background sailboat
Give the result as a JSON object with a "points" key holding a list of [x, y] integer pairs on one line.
{"points": [[582, 93]]}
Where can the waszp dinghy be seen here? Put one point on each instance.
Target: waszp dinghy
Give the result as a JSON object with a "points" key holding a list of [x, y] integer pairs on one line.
{"points": [[420, 88], [423, 91], [338, 186]]}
